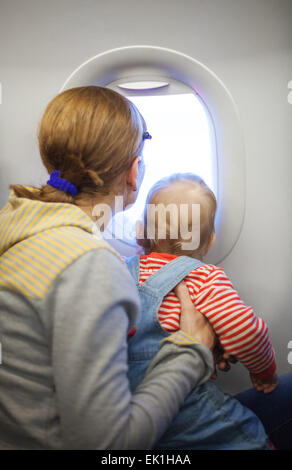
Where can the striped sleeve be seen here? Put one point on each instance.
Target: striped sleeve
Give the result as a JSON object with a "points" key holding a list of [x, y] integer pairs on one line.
{"points": [[240, 331]]}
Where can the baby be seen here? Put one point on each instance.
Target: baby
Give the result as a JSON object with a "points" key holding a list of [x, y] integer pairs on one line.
{"points": [[170, 257]]}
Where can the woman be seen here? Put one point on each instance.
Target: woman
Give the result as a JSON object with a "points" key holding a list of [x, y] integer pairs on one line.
{"points": [[67, 301]]}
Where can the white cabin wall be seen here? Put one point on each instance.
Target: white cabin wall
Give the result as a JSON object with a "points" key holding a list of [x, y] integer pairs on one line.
{"points": [[247, 43]]}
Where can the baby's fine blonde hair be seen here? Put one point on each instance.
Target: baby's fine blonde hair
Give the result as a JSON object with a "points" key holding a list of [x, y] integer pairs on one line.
{"points": [[202, 195]]}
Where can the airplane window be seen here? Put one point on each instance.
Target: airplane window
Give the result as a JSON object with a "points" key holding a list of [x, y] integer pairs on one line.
{"points": [[182, 141], [195, 126]]}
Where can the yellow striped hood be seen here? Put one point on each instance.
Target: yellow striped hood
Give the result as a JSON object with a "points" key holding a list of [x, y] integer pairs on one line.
{"points": [[38, 240]]}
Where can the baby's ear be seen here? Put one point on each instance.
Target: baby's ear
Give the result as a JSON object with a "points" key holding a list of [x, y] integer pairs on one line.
{"points": [[139, 229], [211, 242]]}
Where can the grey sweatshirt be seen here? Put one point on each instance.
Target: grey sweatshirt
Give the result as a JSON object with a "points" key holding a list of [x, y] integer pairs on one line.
{"points": [[63, 377]]}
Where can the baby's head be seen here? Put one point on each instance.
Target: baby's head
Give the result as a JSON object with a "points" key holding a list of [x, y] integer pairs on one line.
{"points": [[178, 197]]}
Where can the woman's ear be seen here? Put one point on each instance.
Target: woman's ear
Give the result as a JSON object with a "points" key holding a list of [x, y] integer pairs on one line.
{"points": [[133, 174]]}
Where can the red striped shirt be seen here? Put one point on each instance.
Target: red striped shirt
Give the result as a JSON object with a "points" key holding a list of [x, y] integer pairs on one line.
{"points": [[240, 331]]}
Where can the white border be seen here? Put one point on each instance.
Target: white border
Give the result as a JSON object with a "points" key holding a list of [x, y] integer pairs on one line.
{"points": [[146, 61]]}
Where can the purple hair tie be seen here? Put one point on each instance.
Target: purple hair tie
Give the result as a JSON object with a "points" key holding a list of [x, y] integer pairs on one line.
{"points": [[61, 184], [146, 135]]}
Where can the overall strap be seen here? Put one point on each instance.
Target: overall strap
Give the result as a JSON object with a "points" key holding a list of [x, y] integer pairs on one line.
{"points": [[167, 277], [133, 265]]}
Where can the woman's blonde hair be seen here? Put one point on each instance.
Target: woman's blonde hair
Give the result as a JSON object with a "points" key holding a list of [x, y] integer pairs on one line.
{"points": [[91, 135], [207, 217]]}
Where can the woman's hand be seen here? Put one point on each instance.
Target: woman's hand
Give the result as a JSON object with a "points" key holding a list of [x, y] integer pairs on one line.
{"points": [[192, 321]]}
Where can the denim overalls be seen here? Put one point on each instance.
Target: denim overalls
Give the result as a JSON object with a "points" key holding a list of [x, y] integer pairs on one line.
{"points": [[208, 419]]}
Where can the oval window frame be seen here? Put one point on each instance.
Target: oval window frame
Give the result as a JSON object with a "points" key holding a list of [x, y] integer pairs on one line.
{"points": [[158, 62]]}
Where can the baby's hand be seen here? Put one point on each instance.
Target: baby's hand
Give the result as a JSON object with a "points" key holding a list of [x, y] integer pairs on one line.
{"points": [[264, 385]]}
